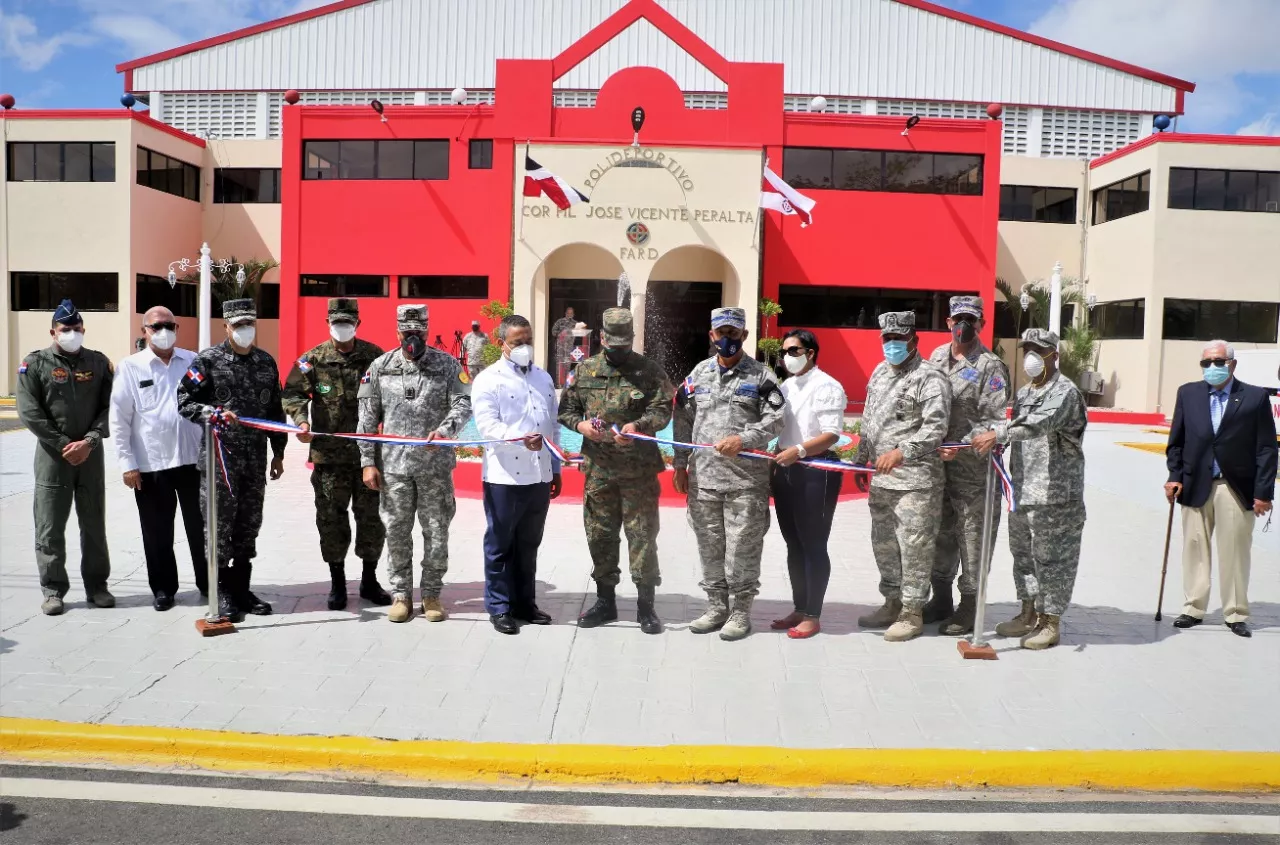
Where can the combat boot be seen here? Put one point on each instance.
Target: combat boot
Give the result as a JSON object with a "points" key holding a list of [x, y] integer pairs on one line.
{"points": [[401, 609], [961, 622], [370, 590], [716, 615], [227, 606], [739, 624], [910, 625], [940, 605], [605, 609], [1047, 635], [884, 617], [433, 610], [1022, 624], [337, 586], [645, 614], [245, 599]]}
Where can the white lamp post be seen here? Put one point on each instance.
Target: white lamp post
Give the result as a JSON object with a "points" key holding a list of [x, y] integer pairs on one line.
{"points": [[1055, 300], [206, 264]]}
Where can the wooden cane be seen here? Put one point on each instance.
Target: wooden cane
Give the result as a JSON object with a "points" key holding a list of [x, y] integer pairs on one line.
{"points": [[1164, 570]]}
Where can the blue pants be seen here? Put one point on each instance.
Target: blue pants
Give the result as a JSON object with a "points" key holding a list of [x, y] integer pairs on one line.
{"points": [[516, 515]]}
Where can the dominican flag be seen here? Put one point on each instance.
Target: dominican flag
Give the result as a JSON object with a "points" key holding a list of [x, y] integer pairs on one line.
{"points": [[539, 181], [195, 376], [777, 195], [304, 366]]}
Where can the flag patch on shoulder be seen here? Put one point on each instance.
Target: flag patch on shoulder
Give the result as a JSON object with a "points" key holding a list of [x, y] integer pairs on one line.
{"points": [[304, 365], [365, 379], [195, 376], [22, 368]]}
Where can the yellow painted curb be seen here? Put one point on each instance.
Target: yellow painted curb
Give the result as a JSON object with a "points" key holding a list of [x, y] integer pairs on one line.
{"points": [[1164, 771]]}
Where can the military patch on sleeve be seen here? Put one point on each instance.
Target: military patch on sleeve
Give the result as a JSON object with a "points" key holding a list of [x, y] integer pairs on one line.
{"points": [[22, 368], [464, 377], [568, 382], [775, 399], [193, 376], [323, 389], [995, 383], [366, 378], [304, 366]]}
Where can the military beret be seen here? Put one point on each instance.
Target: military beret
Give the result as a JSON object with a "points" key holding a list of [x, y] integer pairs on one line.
{"points": [[735, 317], [411, 318], [619, 327], [897, 322], [1042, 338], [66, 314], [239, 311], [966, 305], [344, 309]]}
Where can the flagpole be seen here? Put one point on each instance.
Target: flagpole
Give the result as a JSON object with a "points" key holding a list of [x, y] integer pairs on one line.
{"points": [[755, 231], [520, 237]]}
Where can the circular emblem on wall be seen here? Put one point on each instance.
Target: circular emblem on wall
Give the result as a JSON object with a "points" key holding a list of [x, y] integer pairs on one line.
{"points": [[638, 234]]}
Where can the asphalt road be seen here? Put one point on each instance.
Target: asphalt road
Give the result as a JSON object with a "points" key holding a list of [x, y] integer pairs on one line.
{"points": [[78, 805]]}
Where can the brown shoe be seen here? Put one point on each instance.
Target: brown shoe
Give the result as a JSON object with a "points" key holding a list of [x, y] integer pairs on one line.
{"points": [[433, 610], [1022, 624], [401, 609]]}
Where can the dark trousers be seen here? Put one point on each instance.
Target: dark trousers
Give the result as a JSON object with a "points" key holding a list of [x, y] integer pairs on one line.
{"points": [[805, 501], [516, 516], [162, 494]]}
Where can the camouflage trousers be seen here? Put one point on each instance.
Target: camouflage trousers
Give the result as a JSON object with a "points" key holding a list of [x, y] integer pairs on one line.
{"points": [[337, 488], [904, 530], [730, 526], [1045, 543], [430, 499], [610, 505], [239, 509], [960, 536]]}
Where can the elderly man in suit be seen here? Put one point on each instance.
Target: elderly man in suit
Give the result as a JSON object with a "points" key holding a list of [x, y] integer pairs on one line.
{"points": [[1222, 470]]}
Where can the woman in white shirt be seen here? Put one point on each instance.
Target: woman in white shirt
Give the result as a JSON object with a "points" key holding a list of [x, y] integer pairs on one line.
{"points": [[804, 498]]}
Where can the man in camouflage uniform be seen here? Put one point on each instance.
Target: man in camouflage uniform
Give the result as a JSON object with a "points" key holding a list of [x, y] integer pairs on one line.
{"points": [[734, 402], [326, 380], [414, 391], [903, 423], [1046, 465], [473, 345], [64, 399], [242, 380], [619, 387], [979, 396]]}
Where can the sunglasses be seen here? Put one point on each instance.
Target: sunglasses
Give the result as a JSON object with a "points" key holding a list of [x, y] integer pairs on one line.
{"points": [[794, 351], [155, 327], [1217, 362]]}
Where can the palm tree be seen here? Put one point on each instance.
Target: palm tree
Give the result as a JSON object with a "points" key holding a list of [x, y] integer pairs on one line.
{"points": [[225, 285]]}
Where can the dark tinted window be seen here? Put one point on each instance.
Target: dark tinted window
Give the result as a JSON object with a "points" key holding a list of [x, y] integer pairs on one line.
{"points": [[1210, 319], [375, 160], [269, 301], [1041, 205], [444, 287], [879, 170], [806, 168], [395, 159], [344, 285], [1119, 320], [182, 299], [1224, 190], [1123, 198], [62, 162], [827, 307], [480, 155], [171, 175], [320, 159], [430, 159], [43, 291], [246, 185]]}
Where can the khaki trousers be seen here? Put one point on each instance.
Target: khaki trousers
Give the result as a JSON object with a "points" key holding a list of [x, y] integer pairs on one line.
{"points": [[1233, 524]]}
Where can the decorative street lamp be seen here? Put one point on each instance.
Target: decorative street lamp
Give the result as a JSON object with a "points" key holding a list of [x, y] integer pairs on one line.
{"points": [[206, 264]]}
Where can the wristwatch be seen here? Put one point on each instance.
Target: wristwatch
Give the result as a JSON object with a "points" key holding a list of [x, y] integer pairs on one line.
{"points": [[800, 448]]}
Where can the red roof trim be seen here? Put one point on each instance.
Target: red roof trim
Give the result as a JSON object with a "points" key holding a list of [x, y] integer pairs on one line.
{"points": [[101, 114], [612, 26], [1154, 76], [239, 33], [1179, 138]]}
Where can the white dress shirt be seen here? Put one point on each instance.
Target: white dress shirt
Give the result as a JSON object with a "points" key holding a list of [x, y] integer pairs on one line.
{"points": [[145, 426], [507, 403], [815, 405]]}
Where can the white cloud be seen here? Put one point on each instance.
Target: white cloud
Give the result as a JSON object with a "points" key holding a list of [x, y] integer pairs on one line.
{"points": [[21, 41], [141, 36], [1268, 124]]}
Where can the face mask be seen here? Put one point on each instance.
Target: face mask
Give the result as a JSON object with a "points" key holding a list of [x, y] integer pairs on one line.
{"points": [[70, 341], [414, 346], [522, 356], [1033, 365], [163, 339], [243, 336], [616, 356], [964, 332], [1216, 375], [728, 347], [342, 332], [895, 351], [795, 363]]}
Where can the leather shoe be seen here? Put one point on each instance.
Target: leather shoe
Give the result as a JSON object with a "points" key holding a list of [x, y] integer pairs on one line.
{"points": [[162, 602], [1240, 629], [1186, 621], [533, 617], [504, 623]]}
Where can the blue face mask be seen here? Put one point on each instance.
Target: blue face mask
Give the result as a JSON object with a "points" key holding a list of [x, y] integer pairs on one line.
{"points": [[895, 351], [727, 347], [1216, 374]]}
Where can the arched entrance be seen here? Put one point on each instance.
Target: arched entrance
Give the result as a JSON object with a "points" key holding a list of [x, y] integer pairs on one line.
{"points": [[580, 276], [683, 288]]}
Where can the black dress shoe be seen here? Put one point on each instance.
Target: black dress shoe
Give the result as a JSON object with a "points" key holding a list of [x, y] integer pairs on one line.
{"points": [[533, 617], [1185, 621], [1240, 629], [504, 623], [162, 602], [255, 605]]}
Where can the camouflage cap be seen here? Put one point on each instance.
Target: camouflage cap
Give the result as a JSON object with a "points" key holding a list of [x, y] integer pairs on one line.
{"points": [[341, 309], [67, 314], [735, 317], [619, 327], [966, 305], [1042, 338], [411, 318], [897, 322], [236, 311]]}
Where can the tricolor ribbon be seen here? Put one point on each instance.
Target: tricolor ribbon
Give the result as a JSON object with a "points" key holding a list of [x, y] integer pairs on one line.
{"points": [[219, 422], [756, 454], [1006, 483]]}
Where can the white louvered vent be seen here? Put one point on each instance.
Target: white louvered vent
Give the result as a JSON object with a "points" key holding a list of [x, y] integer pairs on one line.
{"points": [[706, 100], [573, 99], [1016, 120], [275, 121], [835, 105], [928, 108], [355, 98], [441, 97], [1069, 133], [228, 115]]}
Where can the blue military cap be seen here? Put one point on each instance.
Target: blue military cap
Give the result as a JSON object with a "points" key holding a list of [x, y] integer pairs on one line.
{"points": [[735, 317], [66, 314], [971, 305]]}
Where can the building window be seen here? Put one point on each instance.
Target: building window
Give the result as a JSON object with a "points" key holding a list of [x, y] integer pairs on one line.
{"points": [[1224, 190], [444, 287], [833, 307], [152, 292], [1120, 199], [62, 162], [246, 185], [1210, 319], [376, 159], [168, 174], [43, 291], [480, 155], [1031, 204], [268, 301], [880, 170], [344, 285], [1121, 320], [1011, 320]]}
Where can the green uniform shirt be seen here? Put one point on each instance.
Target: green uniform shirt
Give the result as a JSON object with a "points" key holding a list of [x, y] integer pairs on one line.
{"points": [[64, 398], [328, 381], [636, 392]]}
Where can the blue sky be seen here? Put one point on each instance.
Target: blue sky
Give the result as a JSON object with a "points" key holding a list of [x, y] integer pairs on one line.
{"points": [[62, 53]]}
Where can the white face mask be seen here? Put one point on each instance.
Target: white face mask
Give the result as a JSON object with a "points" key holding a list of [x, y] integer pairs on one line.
{"points": [[522, 356], [70, 341], [795, 363], [243, 336], [342, 332], [163, 339], [1033, 365]]}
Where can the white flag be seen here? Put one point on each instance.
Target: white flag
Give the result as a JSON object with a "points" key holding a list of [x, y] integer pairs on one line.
{"points": [[779, 196]]}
